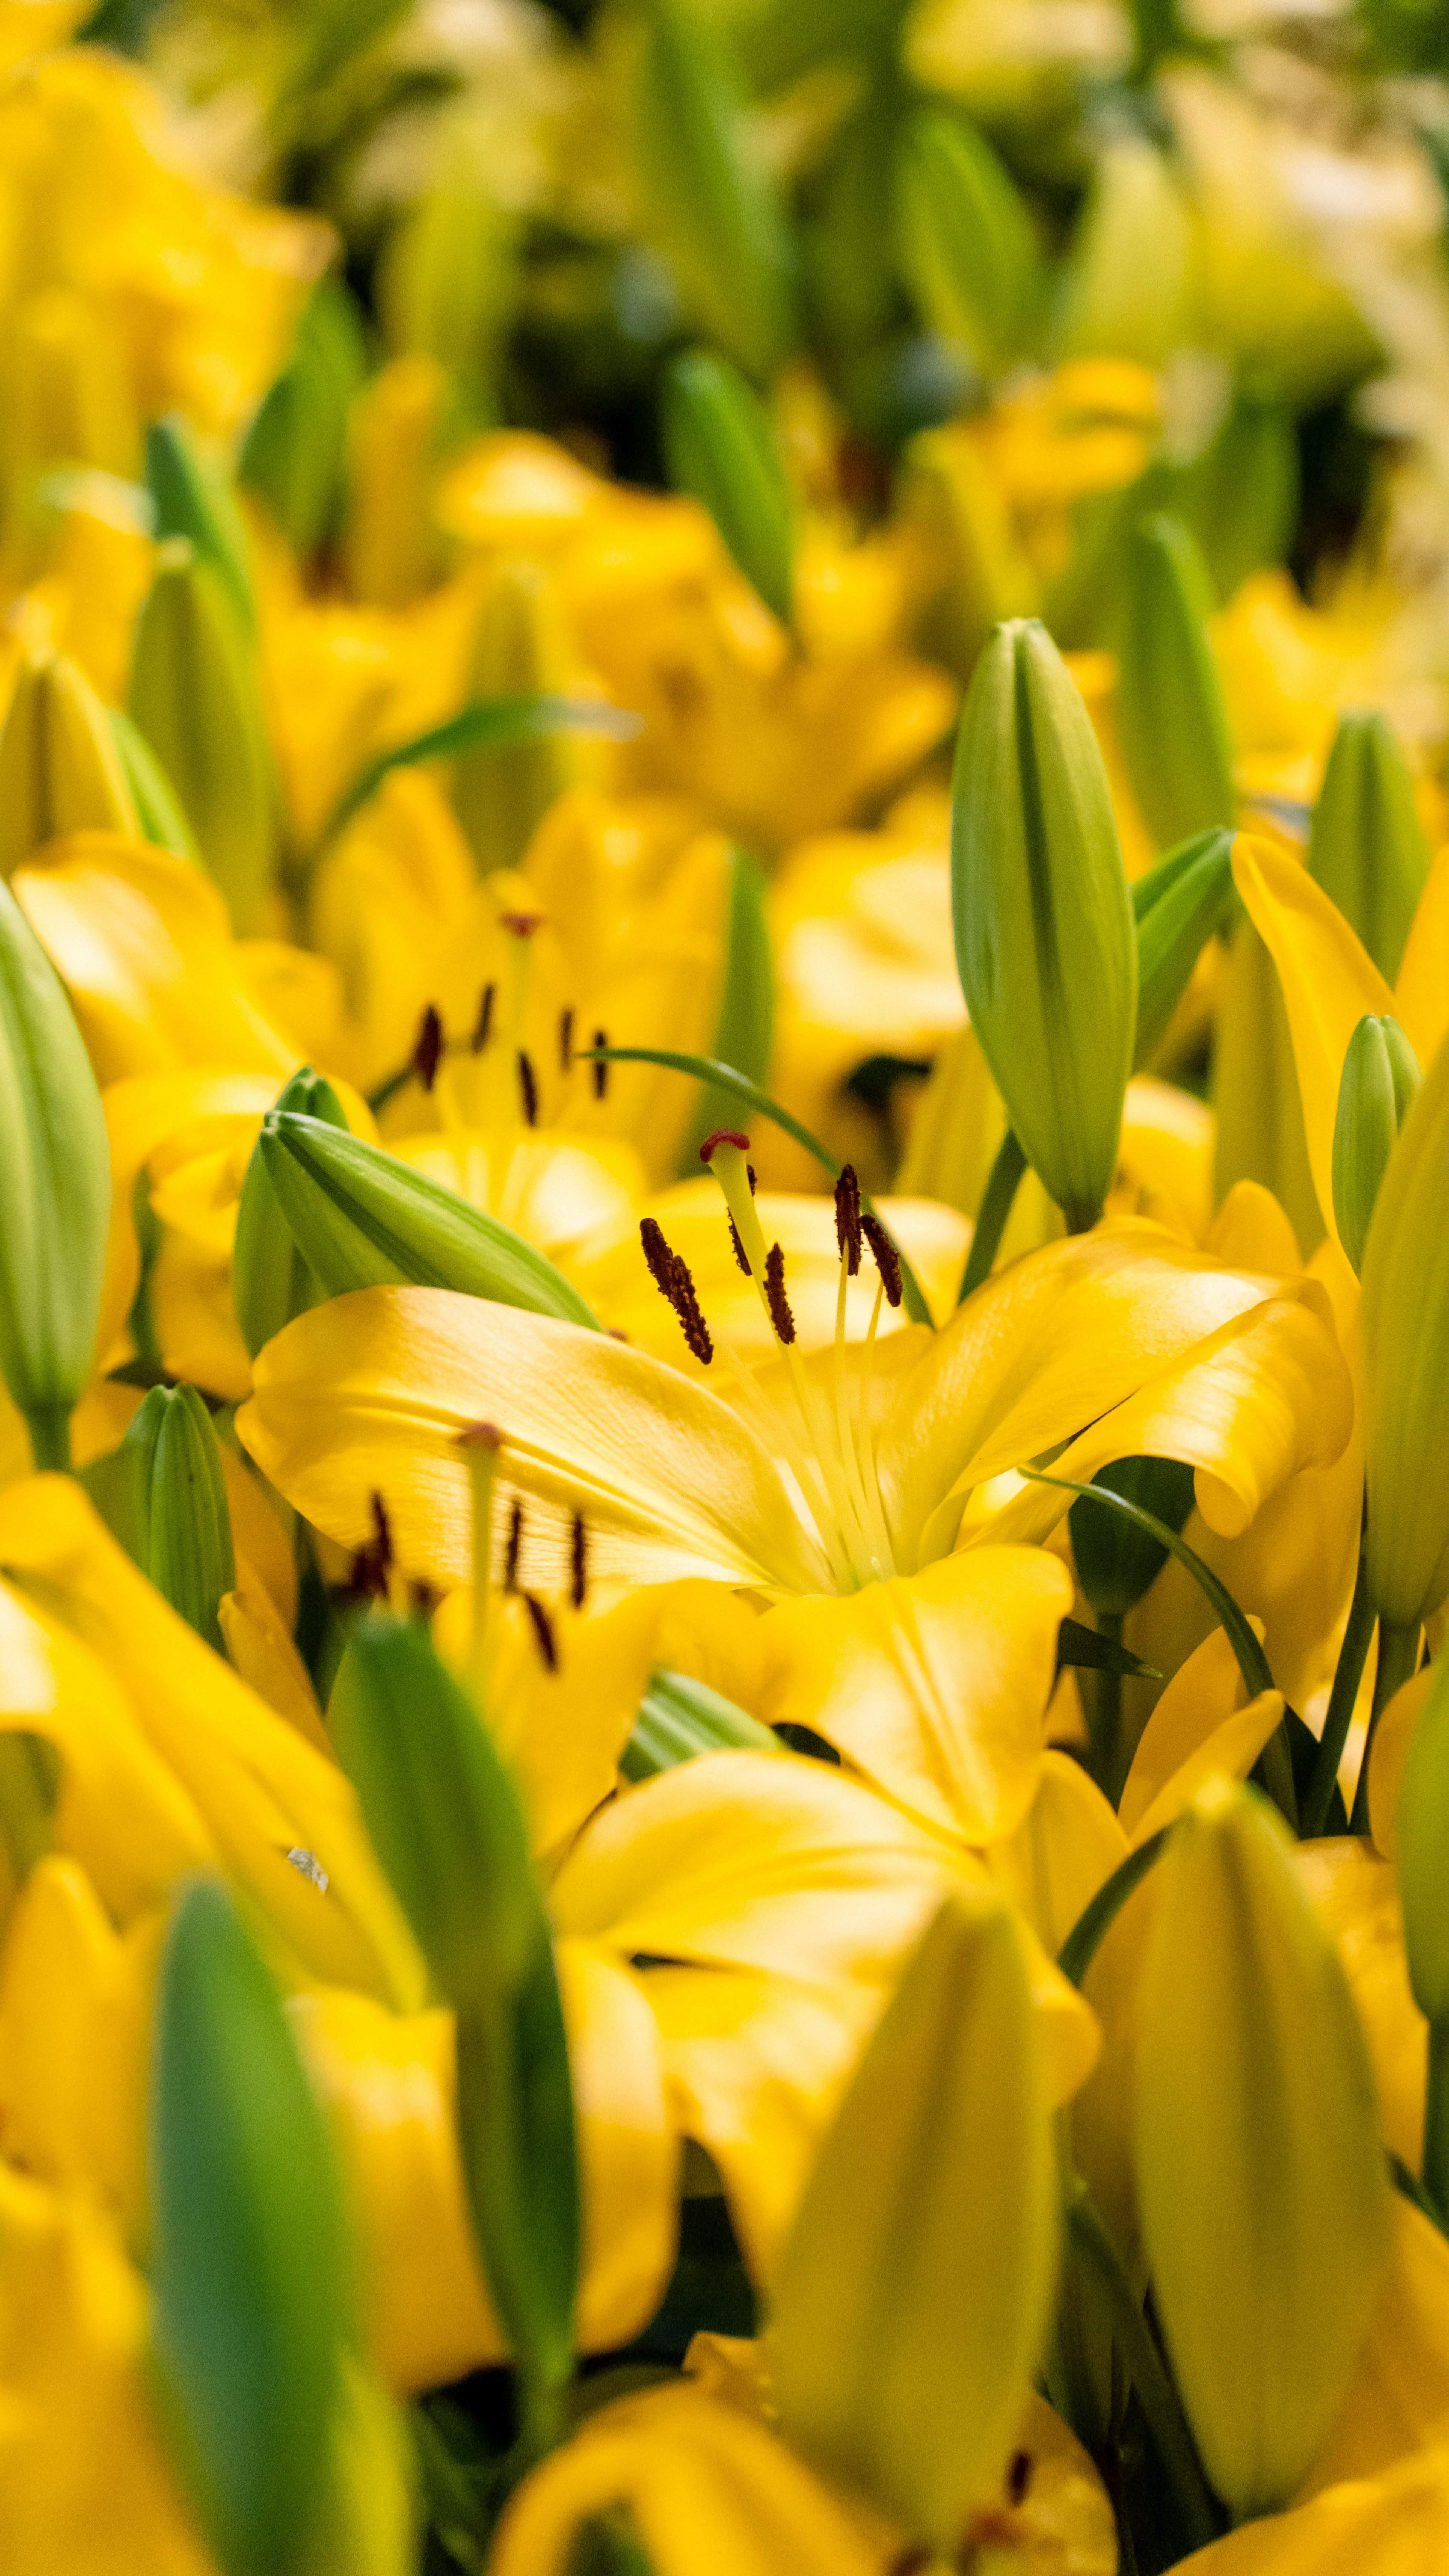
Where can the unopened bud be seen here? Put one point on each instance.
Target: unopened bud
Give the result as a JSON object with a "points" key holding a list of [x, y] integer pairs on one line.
{"points": [[1045, 941], [296, 445], [194, 500], [1405, 1322], [720, 444], [965, 241], [1367, 848], [270, 1281], [181, 1535], [1423, 1852], [60, 770], [501, 794], [1170, 714], [1177, 906], [194, 695], [1380, 1078], [1260, 2173]]}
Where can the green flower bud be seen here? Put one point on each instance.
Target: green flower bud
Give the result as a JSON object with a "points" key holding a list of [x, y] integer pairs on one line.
{"points": [[181, 1531], [1423, 1852], [1128, 281], [1260, 2173], [60, 770], [295, 451], [501, 791], [194, 500], [680, 1718], [251, 2294], [710, 204], [1367, 848], [362, 1219], [720, 444], [1241, 494], [1117, 1563], [1045, 943], [55, 1189], [446, 1822], [158, 809], [1170, 713], [1405, 1323], [194, 695], [913, 2293], [1380, 1078], [965, 242], [447, 283], [1177, 906], [270, 1281]]}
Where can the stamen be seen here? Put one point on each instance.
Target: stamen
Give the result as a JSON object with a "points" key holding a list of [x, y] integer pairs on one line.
{"points": [[383, 1529], [423, 1597], [779, 1303], [367, 1574], [847, 1218], [601, 1071], [739, 1248], [542, 1629], [887, 1259], [1018, 2477], [427, 1052], [750, 1177], [672, 1278], [484, 1022], [578, 1588], [529, 1088], [515, 1542], [565, 1041]]}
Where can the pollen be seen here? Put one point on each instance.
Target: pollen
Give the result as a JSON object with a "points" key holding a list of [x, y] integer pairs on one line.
{"points": [[528, 1089], [847, 1219], [542, 1629], [779, 1303], [579, 1572], [887, 1259], [671, 1276], [515, 1542], [427, 1052], [565, 1041], [482, 1026]]}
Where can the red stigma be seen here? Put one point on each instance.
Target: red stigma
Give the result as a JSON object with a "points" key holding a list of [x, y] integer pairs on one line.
{"points": [[723, 1136]]}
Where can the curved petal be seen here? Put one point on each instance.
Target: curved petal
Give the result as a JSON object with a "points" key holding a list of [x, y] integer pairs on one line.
{"points": [[1358, 1896], [1207, 1689], [1329, 981], [368, 1393], [1230, 1750], [1066, 1847], [1397, 2404], [1364, 2527], [1421, 995], [934, 1684]]}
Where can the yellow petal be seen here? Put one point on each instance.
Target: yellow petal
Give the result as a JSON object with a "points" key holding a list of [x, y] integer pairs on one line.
{"points": [[1207, 1689], [261, 1650], [1365, 2527], [1358, 1896], [935, 1684], [1421, 995], [75, 2014], [1229, 1751], [368, 1394], [1387, 1756], [1398, 2399], [1329, 981], [1065, 1848]]}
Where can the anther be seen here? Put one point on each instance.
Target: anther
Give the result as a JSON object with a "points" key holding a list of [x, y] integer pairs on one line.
{"points": [[515, 1541], [383, 1529], [565, 1041], [847, 1219], [529, 1088], [672, 1279], [427, 1053], [542, 1629], [601, 1071], [423, 1597], [750, 1177], [739, 1249], [778, 1302], [887, 1259], [367, 1574], [1018, 2477], [723, 1136], [484, 1022], [579, 1584]]}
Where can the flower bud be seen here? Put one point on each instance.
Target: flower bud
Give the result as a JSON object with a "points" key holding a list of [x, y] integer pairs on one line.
{"points": [[965, 242], [1170, 714], [709, 201], [1380, 1078], [194, 500], [1367, 848], [720, 444], [501, 792], [251, 2296], [1177, 906], [295, 449], [270, 1281], [391, 544], [60, 770], [1128, 281], [1045, 942], [158, 809], [55, 1190], [680, 1718], [913, 2293], [181, 1532], [362, 1219], [1405, 1322], [449, 1830], [447, 282], [194, 696], [1242, 492], [1260, 2174], [1423, 1852]]}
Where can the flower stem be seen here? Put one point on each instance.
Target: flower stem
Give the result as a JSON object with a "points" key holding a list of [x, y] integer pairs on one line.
{"points": [[1092, 2248], [1003, 1182], [1352, 1656], [1398, 1657], [49, 1427]]}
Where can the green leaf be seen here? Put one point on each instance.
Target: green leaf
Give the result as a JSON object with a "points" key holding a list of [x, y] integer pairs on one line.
{"points": [[1251, 1660], [745, 1027], [251, 2293], [738, 1087], [1116, 1561], [680, 1718], [479, 727], [1171, 718], [1087, 1650], [158, 807], [1178, 907], [294, 454]]}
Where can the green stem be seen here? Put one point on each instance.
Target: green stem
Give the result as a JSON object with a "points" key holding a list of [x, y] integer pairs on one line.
{"points": [[1096, 1919], [50, 1438], [1352, 1656], [1398, 1661], [1003, 1182], [1089, 2243], [1436, 2120], [1106, 1716]]}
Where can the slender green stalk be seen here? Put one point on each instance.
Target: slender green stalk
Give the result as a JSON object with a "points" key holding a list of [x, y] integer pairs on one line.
{"points": [[1096, 1919], [1105, 1716], [1398, 1658], [1436, 2121], [50, 1438], [1003, 1182], [1352, 1656], [1092, 2248]]}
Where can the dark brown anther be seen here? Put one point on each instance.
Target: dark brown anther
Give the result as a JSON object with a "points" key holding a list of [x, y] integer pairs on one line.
{"points": [[847, 1219], [515, 1541], [739, 1249], [601, 1071], [423, 1597], [750, 1177], [579, 1584], [367, 1574], [482, 1026], [887, 1259], [1018, 2477], [382, 1528], [529, 1089], [775, 1297], [723, 1136], [565, 1041], [672, 1279], [542, 1629], [427, 1053]]}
